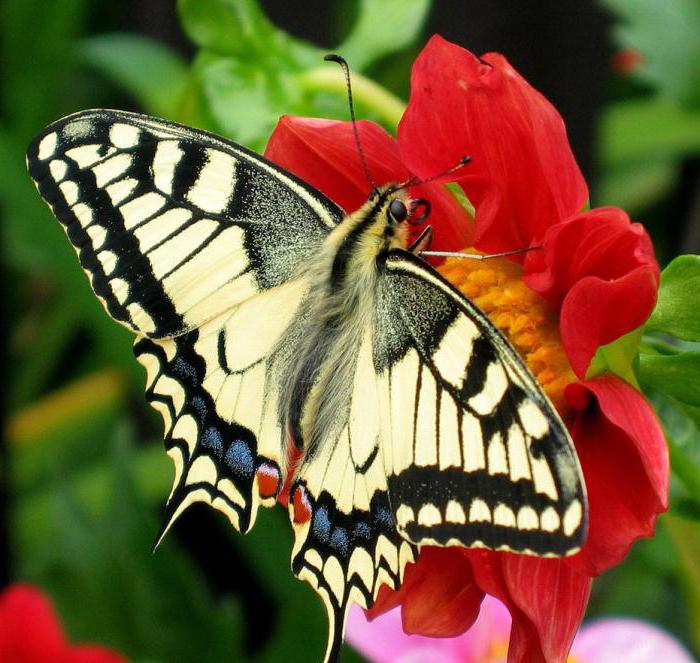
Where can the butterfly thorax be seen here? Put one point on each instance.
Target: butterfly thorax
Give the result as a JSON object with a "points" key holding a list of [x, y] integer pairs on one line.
{"points": [[339, 317]]}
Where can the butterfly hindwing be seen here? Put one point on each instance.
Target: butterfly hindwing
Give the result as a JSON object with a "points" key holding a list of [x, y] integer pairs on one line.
{"points": [[346, 542], [217, 390], [482, 458], [447, 440], [172, 224]]}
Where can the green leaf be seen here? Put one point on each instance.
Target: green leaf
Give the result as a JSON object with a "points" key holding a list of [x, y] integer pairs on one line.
{"points": [[683, 437], [641, 144], [58, 432], [243, 100], [677, 312], [36, 51], [44, 344], [229, 27], [239, 28], [676, 375], [635, 186], [686, 537], [89, 546], [667, 34], [617, 357], [647, 131], [368, 41], [644, 585], [151, 72]]}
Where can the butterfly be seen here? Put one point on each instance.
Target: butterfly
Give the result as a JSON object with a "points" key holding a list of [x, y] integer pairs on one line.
{"points": [[267, 319]]}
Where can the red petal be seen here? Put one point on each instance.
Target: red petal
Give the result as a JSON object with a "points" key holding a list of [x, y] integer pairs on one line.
{"points": [[552, 597], [546, 598], [596, 312], [624, 458], [29, 629], [453, 229], [438, 596], [323, 153], [523, 177], [386, 600], [602, 242], [31, 633], [599, 270]]}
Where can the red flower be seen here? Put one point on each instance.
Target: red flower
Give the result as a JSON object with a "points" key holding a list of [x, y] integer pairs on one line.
{"points": [[598, 270], [523, 177], [594, 279], [626, 61], [31, 633]]}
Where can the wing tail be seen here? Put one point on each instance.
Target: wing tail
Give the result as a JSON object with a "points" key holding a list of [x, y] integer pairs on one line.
{"points": [[347, 545]]}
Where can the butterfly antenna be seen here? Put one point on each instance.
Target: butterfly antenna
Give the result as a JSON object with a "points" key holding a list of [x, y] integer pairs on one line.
{"points": [[332, 57], [413, 181]]}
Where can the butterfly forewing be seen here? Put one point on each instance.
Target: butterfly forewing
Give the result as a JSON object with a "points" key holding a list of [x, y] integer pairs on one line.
{"points": [[173, 225], [476, 454], [195, 244]]}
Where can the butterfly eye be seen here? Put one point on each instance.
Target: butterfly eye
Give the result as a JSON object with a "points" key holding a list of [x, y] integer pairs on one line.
{"points": [[397, 211], [419, 212]]}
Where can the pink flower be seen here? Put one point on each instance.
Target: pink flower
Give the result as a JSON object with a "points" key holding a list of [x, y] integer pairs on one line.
{"points": [[610, 640]]}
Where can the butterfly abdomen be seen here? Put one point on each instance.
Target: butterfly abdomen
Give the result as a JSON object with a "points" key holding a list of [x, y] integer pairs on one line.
{"points": [[318, 383]]}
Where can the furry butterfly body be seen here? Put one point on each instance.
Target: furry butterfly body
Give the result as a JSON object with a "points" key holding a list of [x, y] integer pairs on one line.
{"points": [[265, 316]]}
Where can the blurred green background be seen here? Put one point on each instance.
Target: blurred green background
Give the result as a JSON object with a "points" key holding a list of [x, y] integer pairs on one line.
{"points": [[84, 476]]}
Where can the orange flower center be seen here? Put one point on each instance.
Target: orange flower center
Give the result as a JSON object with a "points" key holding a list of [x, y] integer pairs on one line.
{"points": [[496, 286]]}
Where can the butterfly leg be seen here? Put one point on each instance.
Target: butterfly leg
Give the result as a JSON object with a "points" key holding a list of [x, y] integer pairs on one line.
{"points": [[423, 242]]}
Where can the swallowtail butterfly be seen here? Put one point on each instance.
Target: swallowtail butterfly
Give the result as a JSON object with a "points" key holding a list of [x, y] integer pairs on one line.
{"points": [[264, 313]]}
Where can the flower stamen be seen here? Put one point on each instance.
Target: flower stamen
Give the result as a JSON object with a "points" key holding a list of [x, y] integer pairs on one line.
{"points": [[496, 286]]}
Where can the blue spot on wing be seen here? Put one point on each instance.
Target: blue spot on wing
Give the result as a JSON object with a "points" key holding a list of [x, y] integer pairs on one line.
{"points": [[199, 405], [185, 371], [361, 530], [322, 525], [240, 459], [383, 517], [340, 542], [212, 439]]}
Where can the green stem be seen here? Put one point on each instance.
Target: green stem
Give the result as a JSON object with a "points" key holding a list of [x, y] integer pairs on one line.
{"points": [[686, 538], [370, 94], [683, 466]]}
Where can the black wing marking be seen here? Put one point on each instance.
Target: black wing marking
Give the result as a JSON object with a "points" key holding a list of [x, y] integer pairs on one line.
{"points": [[479, 457], [173, 225], [348, 546], [217, 390]]}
